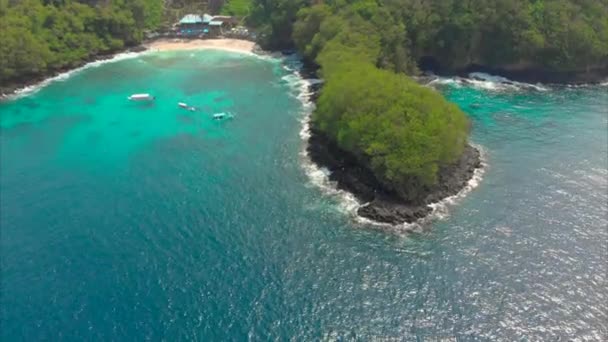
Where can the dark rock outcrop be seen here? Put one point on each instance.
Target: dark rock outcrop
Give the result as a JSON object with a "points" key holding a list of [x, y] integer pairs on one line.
{"points": [[383, 205], [138, 48]]}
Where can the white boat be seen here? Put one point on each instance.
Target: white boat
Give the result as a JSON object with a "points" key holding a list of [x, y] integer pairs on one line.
{"points": [[221, 116], [185, 106], [141, 97]]}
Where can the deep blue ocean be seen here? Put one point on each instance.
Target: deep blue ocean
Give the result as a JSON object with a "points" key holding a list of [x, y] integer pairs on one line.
{"points": [[143, 221]]}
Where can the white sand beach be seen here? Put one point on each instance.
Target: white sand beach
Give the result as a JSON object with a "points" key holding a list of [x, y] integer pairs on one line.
{"points": [[234, 45]]}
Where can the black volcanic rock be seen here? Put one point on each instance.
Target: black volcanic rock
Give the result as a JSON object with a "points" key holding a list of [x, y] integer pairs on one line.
{"points": [[139, 48], [393, 212], [383, 205]]}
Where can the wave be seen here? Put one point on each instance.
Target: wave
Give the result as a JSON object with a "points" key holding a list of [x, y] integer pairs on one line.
{"points": [[31, 89], [347, 202], [487, 82], [440, 209], [318, 176]]}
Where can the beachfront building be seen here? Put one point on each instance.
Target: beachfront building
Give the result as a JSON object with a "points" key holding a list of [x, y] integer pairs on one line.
{"points": [[215, 27], [220, 24], [227, 21], [207, 18], [191, 25]]}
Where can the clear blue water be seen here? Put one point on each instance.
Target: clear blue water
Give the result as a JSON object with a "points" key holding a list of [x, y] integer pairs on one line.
{"points": [[123, 221]]}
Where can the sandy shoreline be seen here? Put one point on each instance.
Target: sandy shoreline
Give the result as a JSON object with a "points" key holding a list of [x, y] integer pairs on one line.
{"points": [[233, 45]]}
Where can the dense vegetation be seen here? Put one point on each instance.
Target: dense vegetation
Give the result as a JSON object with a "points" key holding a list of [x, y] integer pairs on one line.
{"points": [[403, 132], [554, 34], [239, 8], [40, 36], [365, 48]]}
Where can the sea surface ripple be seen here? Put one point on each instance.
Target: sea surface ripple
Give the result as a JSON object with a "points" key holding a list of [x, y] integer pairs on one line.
{"points": [[123, 221]]}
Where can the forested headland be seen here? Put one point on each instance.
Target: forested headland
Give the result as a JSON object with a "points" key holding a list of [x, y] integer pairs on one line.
{"points": [[558, 36], [551, 35], [407, 136], [42, 36], [411, 140], [39, 37]]}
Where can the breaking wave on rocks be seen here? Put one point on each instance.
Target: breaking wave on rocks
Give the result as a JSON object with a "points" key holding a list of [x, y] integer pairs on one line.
{"points": [[320, 176], [487, 82]]}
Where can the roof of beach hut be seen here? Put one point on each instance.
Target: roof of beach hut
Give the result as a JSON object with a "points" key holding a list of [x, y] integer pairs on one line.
{"points": [[207, 18], [191, 19]]}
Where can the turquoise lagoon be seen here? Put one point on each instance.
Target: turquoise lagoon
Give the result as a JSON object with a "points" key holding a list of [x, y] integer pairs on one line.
{"points": [[133, 221]]}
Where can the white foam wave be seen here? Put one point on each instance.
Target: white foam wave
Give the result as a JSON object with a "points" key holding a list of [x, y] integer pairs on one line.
{"points": [[28, 90], [487, 82], [488, 77], [318, 176], [493, 82], [348, 203], [263, 55], [31, 89], [586, 85], [455, 82], [441, 208]]}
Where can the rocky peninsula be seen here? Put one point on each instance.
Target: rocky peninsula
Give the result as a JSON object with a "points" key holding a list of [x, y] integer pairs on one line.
{"points": [[384, 205], [384, 201]]}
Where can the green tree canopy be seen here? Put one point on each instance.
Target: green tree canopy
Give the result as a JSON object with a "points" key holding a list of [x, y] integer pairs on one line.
{"points": [[41, 36]]}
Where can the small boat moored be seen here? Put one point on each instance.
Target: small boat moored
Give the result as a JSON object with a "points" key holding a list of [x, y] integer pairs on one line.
{"points": [[222, 116], [141, 97], [185, 106]]}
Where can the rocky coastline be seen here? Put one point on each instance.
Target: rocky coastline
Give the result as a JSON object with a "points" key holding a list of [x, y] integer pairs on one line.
{"points": [[532, 75], [539, 75], [383, 205]]}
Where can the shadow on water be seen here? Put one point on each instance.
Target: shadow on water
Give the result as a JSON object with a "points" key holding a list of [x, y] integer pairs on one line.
{"points": [[30, 104], [94, 137], [186, 119], [44, 137], [89, 100]]}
